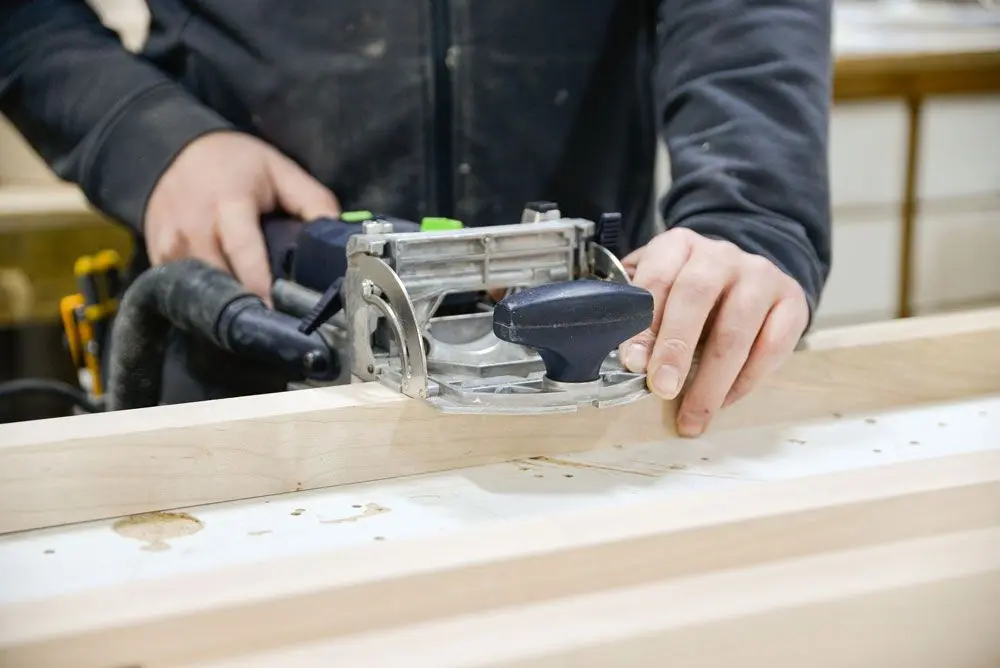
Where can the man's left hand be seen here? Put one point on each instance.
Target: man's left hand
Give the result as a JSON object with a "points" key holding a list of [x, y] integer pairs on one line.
{"points": [[749, 313]]}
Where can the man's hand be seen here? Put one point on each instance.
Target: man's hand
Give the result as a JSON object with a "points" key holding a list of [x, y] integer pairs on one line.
{"points": [[750, 312], [208, 205]]}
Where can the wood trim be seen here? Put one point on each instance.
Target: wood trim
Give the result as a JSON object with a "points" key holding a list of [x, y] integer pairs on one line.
{"points": [[869, 76], [90, 467], [772, 528], [26, 207], [908, 208]]}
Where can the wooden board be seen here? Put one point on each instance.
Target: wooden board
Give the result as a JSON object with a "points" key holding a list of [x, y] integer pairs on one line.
{"points": [[920, 604], [920, 532], [98, 466], [66, 559], [917, 74]]}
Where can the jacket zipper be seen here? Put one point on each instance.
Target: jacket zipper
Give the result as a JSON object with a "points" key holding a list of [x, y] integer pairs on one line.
{"points": [[443, 176]]}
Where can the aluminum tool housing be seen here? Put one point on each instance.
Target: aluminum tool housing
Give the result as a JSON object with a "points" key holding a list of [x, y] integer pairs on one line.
{"points": [[396, 281]]}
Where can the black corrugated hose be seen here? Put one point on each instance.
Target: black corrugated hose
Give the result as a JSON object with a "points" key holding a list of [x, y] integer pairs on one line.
{"points": [[200, 299]]}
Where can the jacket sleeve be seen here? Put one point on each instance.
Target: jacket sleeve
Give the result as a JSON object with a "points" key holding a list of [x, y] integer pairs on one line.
{"points": [[743, 93], [100, 116]]}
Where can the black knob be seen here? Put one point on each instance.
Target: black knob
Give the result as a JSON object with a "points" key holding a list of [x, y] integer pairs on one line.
{"points": [[573, 325], [538, 211], [608, 232]]}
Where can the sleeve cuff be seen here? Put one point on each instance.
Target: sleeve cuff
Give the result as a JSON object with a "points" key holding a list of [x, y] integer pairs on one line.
{"points": [[138, 146], [786, 250]]}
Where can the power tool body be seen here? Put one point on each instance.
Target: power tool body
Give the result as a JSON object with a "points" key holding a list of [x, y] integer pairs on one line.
{"points": [[409, 307], [415, 306]]}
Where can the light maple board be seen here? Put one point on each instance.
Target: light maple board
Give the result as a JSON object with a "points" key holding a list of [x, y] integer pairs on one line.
{"points": [[60, 560], [90, 467]]}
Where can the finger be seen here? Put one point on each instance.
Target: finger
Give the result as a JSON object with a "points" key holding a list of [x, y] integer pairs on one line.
{"points": [[300, 194], [167, 242], [740, 317], [205, 246], [164, 246], [691, 299], [243, 245], [636, 254], [660, 264], [211, 255], [774, 344], [631, 261]]}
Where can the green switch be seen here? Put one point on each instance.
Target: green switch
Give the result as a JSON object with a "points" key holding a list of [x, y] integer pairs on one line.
{"points": [[356, 216], [440, 224]]}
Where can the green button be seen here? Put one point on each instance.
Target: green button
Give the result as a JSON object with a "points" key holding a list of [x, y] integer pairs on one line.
{"points": [[440, 224], [356, 216]]}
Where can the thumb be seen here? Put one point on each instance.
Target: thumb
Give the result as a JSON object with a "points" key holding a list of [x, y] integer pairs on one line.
{"points": [[634, 353], [300, 194]]}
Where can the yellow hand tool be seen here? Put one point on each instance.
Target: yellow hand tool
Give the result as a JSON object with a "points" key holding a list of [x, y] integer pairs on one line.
{"points": [[87, 315]]}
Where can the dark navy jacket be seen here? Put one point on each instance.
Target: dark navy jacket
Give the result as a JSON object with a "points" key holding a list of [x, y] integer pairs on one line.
{"points": [[465, 108]]}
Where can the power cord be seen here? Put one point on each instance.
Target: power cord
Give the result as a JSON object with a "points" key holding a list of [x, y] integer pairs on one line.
{"points": [[74, 395]]}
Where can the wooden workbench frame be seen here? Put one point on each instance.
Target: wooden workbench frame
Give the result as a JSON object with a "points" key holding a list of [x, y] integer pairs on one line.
{"points": [[89, 467], [871, 567]]}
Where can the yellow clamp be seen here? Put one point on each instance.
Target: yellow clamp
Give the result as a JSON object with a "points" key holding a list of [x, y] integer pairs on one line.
{"points": [[85, 314]]}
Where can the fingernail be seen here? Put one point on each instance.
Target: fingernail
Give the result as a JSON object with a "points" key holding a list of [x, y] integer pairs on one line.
{"points": [[690, 425], [665, 381], [636, 358]]}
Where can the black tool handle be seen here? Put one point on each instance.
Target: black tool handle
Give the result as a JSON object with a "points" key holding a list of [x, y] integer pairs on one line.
{"points": [[281, 235], [573, 325]]}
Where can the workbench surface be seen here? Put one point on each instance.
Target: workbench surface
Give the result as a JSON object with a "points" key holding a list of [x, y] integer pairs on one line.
{"points": [[45, 562]]}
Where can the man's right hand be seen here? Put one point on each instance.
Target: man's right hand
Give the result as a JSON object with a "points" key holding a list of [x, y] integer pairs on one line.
{"points": [[209, 203]]}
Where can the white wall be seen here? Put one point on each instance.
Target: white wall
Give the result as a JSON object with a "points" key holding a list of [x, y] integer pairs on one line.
{"points": [[957, 258]]}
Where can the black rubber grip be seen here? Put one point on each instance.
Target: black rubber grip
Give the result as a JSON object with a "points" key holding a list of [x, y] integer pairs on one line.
{"points": [[573, 325]]}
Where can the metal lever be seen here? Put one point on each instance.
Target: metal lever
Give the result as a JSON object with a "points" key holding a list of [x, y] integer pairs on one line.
{"points": [[574, 325], [329, 305]]}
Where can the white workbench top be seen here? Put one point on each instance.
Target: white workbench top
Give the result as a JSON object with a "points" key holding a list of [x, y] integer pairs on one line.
{"points": [[45, 562]]}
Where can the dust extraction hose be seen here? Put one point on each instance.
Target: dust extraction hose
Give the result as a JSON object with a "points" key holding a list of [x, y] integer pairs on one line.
{"points": [[202, 300]]}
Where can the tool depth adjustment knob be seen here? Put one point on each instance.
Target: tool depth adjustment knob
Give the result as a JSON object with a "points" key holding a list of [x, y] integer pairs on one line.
{"points": [[573, 325]]}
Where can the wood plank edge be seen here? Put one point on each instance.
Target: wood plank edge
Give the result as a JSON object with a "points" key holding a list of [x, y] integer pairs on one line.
{"points": [[305, 402], [510, 563], [93, 467]]}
